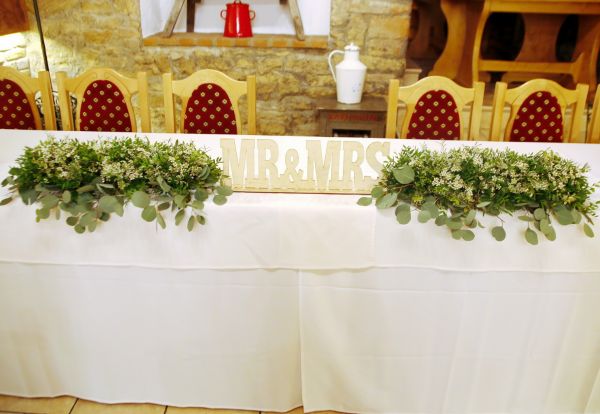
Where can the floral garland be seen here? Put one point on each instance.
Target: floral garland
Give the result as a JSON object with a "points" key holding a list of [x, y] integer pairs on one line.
{"points": [[452, 187], [91, 180]]}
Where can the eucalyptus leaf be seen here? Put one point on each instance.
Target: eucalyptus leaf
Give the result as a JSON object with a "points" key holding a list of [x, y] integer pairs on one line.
{"points": [[161, 221], [73, 220], [387, 200], [539, 214], [404, 174], [200, 219], [179, 200], [224, 190], [197, 205], [86, 189], [108, 203], [467, 235], [92, 226], [364, 201], [140, 199], [42, 213], [563, 215], [377, 192], [587, 229], [66, 196], [441, 220], [163, 184], [6, 201], [149, 213], [531, 236], [201, 194], [79, 229], [190, 223], [424, 216], [179, 217], [576, 216], [219, 199], [28, 196], [499, 233], [550, 234], [49, 201], [87, 218], [431, 208], [483, 204], [526, 218], [456, 234], [454, 224], [163, 206], [470, 216], [105, 216], [403, 216]]}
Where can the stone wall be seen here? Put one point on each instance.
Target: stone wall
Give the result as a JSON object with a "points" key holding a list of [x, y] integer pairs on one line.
{"points": [[81, 34], [13, 52]]}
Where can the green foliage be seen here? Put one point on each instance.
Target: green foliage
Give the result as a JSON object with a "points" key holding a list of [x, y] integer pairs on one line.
{"points": [[92, 180], [453, 187]]}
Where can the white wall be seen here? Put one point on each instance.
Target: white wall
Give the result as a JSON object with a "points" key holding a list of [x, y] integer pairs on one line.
{"points": [[271, 17]]}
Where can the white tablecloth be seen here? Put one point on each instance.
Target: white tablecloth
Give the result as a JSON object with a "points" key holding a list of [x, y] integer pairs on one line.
{"points": [[287, 300]]}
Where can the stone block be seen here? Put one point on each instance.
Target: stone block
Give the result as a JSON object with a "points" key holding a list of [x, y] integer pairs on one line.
{"points": [[389, 27], [388, 7]]}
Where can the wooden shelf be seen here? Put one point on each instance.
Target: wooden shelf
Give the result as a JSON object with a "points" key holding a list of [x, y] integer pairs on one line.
{"points": [[257, 41]]}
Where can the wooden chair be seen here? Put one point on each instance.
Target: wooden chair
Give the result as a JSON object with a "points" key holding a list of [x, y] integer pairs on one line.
{"points": [[434, 109], [209, 103], [593, 136], [103, 101], [537, 111], [18, 109]]}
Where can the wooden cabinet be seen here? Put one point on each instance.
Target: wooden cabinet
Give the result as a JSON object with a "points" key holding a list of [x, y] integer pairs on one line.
{"points": [[13, 16], [363, 120]]}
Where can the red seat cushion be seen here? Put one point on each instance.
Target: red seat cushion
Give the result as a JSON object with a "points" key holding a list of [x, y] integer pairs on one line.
{"points": [[538, 119], [435, 117], [209, 111], [16, 112], [103, 108]]}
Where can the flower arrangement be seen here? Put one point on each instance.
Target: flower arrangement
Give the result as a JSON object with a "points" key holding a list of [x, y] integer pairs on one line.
{"points": [[91, 180], [453, 186]]}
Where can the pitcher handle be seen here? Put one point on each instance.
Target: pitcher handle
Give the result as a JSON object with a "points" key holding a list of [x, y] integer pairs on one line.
{"points": [[253, 14], [223, 17], [330, 65]]}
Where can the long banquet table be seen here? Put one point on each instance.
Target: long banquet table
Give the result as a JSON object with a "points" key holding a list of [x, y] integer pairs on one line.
{"points": [[284, 300]]}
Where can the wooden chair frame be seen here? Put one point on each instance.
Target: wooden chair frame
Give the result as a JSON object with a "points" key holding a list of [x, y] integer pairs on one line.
{"points": [[185, 87], [78, 85], [412, 93], [593, 136], [30, 87], [516, 96]]}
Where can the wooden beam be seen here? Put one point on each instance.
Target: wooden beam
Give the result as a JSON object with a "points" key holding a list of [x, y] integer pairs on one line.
{"points": [[191, 14], [295, 12], [172, 20]]}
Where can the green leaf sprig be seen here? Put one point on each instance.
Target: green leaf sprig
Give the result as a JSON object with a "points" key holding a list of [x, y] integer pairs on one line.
{"points": [[90, 181], [454, 187]]}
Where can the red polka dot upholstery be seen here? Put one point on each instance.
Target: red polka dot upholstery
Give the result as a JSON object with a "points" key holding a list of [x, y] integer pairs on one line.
{"points": [[103, 108], [538, 119], [16, 111], [209, 111], [435, 117]]}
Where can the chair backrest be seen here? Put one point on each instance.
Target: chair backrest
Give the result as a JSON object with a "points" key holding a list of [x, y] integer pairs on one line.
{"points": [[18, 109], [537, 111], [593, 135], [209, 103], [103, 101], [434, 109]]}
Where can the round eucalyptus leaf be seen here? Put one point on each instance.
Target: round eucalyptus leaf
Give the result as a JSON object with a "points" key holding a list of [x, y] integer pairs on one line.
{"points": [[73, 220], [431, 208], [42, 213], [545, 225], [403, 216], [149, 213], [404, 174], [576, 216], [66, 196], [499, 233], [387, 200], [364, 201], [197, 205], [531, 236], [140, 199], [377, 192], [424, 216], [201, 194], [163, 206], [190, 223], [108, 204], [470, 216], [441, 220], [539, 214], [92, 226], [200, 219], [224, 190], [454, 224], [219, 199], [49, 201], [79, 229], [456, 234], [87, 218], [179, 200], [105, 216], [587, 229], [467, 235]]}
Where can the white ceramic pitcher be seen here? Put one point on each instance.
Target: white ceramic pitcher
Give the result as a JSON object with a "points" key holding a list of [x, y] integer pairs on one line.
{"points": [[349, 75]]}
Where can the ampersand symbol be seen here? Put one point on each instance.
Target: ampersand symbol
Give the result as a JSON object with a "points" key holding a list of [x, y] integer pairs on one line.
{"points": [[291, 175]]}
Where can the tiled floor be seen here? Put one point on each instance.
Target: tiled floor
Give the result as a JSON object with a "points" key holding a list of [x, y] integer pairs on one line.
{"points": [[71, 405]]}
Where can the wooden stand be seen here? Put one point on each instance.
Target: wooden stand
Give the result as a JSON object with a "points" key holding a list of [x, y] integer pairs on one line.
{"points": [[365, 119]]}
